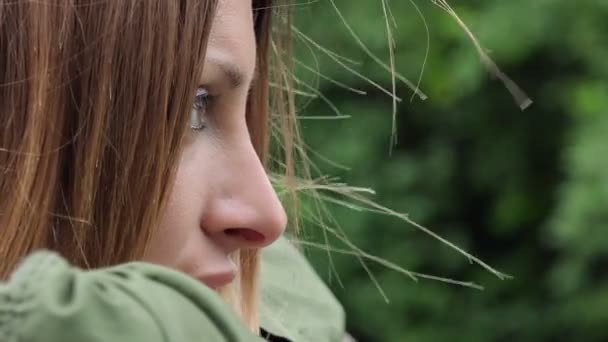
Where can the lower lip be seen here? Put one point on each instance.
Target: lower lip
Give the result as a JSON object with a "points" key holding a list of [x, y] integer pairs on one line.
{"points": [[217, 280]]}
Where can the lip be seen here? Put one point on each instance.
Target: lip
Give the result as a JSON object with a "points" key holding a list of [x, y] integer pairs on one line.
{"points": [[217, 280]]}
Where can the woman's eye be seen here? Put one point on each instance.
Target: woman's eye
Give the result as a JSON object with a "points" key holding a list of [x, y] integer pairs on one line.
{"points": [[199, 110]]}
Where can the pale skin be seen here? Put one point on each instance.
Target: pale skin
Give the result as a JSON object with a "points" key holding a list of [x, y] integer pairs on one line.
{"points": [[222, 200]]}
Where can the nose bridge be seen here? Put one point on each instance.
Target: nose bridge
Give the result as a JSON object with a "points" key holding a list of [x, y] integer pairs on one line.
{"points": [[251, 182]]}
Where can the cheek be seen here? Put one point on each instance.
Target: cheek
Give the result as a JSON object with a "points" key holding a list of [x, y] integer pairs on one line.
{"points": [[179, 225]]}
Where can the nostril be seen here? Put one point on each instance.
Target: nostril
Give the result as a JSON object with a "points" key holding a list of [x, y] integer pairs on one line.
{"points": [[246, 234]]}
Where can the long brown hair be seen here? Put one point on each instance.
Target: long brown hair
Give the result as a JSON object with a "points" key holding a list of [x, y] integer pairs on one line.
{"points": [[94, 101]]}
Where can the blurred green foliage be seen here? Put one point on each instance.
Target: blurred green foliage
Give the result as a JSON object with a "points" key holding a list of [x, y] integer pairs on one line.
{"points": [[526, 192]]}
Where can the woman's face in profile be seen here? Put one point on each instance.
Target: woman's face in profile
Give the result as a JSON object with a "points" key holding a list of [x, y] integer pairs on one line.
{"points": [[222, 200]]}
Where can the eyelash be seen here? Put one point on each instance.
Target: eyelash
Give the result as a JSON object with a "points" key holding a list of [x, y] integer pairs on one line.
{"points": [[199, 109]]}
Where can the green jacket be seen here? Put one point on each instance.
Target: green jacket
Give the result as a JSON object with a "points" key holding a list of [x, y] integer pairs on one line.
{"points": [[47, 300], [296, 304]]}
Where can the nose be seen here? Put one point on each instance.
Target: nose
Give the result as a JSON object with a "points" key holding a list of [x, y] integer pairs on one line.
{"points": [[245, 211]]}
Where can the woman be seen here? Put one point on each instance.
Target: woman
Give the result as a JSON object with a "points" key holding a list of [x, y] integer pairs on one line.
{"points": [[137, 131]]}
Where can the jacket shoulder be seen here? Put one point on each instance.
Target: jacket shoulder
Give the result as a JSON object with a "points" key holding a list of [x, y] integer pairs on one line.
{"points": [[48, 300]]}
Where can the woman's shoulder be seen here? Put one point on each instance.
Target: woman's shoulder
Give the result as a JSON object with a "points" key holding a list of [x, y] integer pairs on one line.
{"points": [[46, 299]]}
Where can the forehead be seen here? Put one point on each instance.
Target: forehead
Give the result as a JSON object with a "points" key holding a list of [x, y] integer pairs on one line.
{"points": [[232, 36]]}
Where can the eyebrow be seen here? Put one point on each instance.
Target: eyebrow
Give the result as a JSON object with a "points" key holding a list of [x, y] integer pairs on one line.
{"points": [[234, 74]]}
